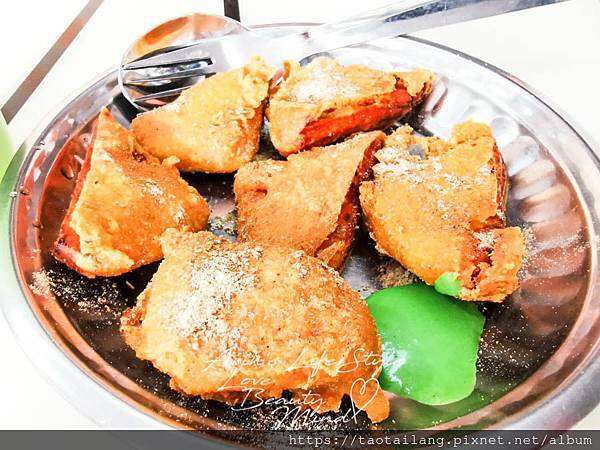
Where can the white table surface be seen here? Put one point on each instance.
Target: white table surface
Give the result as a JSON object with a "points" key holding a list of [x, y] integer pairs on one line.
{"points": [[555, 49]]}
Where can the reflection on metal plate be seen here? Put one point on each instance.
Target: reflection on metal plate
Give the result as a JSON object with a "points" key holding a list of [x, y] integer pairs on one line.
{"points": [[532, 343]]}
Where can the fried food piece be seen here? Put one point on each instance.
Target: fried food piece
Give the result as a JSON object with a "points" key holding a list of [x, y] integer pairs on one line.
{"points": [[123, 201], [241, 323], [437, 207], [213, 126], [310, 201], [324, 101]]}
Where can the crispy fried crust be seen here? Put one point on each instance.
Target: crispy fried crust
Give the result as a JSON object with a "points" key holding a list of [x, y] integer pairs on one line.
{"points": [[217, 313], [310, 201], [123, 201], [325, 101], [212, 127], [438, 207]]}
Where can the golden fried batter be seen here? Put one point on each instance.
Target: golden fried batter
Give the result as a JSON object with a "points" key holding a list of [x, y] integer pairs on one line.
{"points": [[310, 201], [241, 323], [123, 201], [438, 207], [213, 126], [325, 101]]}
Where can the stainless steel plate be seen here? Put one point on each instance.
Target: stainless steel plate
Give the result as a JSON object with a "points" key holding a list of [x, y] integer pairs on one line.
{"points": [[538, 365]]}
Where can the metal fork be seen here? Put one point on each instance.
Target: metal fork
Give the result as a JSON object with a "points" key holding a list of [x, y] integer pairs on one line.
{"points": [[166, 74]]}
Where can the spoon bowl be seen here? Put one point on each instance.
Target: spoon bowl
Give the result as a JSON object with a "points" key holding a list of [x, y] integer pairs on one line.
{"points": [[166, 37]]}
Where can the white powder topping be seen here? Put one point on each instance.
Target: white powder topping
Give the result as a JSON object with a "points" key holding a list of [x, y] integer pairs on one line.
{"points": [[336, 277], [41, 284], [453, 181], [530, 249], [165, 198], [298, 266], [442, 206], [486, 239], [103, 156], [198, 311], [397, 162], [154, 190], [179, 214], [324, 85], [218, 119], [410, 171], [484, 171], [392, 274]]}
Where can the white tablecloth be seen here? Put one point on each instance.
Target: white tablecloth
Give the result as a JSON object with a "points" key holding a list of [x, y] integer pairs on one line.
{"points": [[555, 49]]}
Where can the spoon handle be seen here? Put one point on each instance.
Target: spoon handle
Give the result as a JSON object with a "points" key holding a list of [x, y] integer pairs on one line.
{"points": [[406, 16]]}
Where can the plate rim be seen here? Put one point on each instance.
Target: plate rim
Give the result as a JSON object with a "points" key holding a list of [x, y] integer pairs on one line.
{"points": [[531, 416]]}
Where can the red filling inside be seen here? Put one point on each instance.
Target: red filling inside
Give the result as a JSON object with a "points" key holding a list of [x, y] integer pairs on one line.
{"points": [[348, 217], [375, 114], [67, 242]]}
